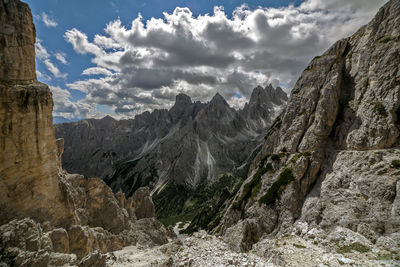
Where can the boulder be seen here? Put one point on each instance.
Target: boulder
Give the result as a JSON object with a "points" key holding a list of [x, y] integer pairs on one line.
{"points": [[141, 200]]}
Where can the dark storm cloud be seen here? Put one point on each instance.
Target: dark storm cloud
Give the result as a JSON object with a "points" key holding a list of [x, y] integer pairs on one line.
{"points": [[146, 65]]}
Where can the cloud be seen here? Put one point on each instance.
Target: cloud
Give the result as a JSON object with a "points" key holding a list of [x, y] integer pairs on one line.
{"points": [[81, 44], [43, 76], [41, 52], [48, 21], [53, 69], [97, 71], [44, 56], [60, 56], [145, 65], [64, 107]]}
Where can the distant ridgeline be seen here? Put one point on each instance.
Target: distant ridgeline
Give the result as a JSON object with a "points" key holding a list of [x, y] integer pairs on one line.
{"points": [[185, 148]]}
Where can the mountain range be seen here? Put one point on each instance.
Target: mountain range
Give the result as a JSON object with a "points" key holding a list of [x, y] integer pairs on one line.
{"points": [[309, 181], [190, 144]]}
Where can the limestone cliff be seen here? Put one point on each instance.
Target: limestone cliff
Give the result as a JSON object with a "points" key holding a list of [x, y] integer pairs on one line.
{"points": [[28, 162], [17, 43], [47, 216], [331, 158]]}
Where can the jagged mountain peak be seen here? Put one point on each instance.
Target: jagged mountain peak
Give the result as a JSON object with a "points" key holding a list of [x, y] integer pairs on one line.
{"points": [[268, 94], [218, 99], [182, 99], [108, 118], [203, 126]]}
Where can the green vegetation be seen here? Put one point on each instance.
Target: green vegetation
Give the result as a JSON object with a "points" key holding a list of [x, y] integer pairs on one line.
{"points": [[176, 203], [310, 68], [353, 247], [250, 190], [385, 257], [302, 112], [380, 109], [276, 125], [299, 155], [299, 246], [396, 163], [275, 157], [295, 91], [262, 162], [385, 39], [278, 187], [125, 169]]}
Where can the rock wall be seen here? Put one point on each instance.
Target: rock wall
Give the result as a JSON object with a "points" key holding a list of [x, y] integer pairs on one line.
{"points": [[17, 42], [320, 163], [28, 162], [47, 216]]}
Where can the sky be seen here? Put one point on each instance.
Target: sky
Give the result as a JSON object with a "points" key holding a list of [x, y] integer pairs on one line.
{"points": [[123, 57]]}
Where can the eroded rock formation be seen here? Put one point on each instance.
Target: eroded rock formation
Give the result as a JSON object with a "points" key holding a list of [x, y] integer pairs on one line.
{"points": [[330, 158], [28, 168], [47, 216]]}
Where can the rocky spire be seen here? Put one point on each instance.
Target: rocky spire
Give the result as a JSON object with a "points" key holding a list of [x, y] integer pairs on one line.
{"points": [[182, 103], [29, 184], [17, 42]]}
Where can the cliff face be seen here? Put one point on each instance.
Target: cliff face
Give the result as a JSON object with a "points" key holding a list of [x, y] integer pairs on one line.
{"points": [[70, 216], [17, 43], [329, 160], [28, 169]]}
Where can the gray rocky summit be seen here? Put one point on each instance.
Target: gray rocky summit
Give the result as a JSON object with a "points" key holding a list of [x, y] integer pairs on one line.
{"points": [[329, 168], [190, 144]]}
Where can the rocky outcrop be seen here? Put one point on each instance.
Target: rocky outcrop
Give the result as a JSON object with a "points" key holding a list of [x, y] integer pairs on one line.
{"points": [[28, 243], [141, 200], [263, 102], [191, 144], [28, 169], [47, 216], [17, 43], [330, 158]]}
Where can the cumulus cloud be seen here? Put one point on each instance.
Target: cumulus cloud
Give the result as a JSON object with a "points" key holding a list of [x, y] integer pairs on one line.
{"points": [[41, 52], [47, 20], [44, 56], [43, 76], [64, 107], [53, 69], [97, 71], [145, 65], [61, 56]]}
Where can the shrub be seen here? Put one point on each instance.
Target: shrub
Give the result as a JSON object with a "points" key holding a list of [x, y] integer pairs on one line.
{"points": [[262, 162], [302, 112], [278, 187], [276, 125], [380, 109], [295, 91], [353, 247], [297, 156], [251, 188], [275, 157], [385, 39], [396, 163], [299, 246]]}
